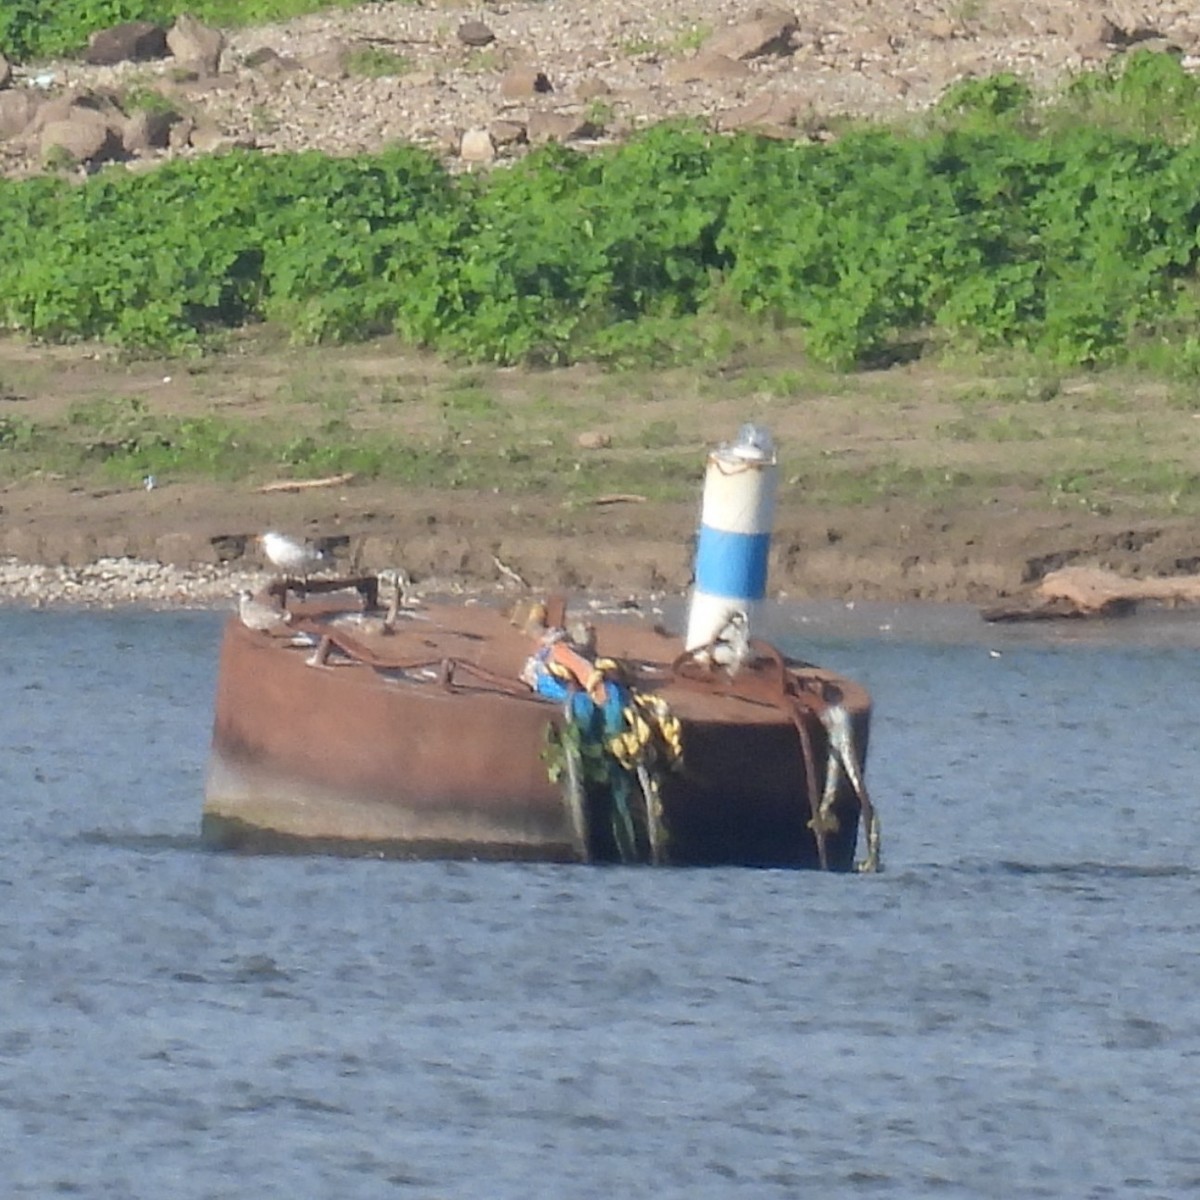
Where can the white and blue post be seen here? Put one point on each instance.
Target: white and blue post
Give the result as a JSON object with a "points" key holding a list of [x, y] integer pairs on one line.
{"points": [[736, 517]]}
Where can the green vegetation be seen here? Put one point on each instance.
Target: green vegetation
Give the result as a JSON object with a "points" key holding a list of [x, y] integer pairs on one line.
{"points": [[684, 40], [635, 47], [465, 440], [601, 113], [968, 10], [691, 38], [1004, 221], [483, 60], [141, 98], [375, 62], [966, 437]]}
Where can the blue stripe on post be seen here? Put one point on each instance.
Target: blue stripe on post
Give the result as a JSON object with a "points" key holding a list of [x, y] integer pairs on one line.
{"points": [[732, 564]]}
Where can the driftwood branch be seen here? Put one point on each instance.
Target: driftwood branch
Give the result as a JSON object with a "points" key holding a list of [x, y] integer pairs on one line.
{"points": [[508, 572], [304, 485], [1094, 592], [619, 498], [1095, 588]]}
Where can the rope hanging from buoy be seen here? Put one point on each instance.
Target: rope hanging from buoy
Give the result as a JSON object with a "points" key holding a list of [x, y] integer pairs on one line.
{"points": [[845, 759]]}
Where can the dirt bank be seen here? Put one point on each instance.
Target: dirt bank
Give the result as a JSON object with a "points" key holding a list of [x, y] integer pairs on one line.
{"points": [[898, 550]]}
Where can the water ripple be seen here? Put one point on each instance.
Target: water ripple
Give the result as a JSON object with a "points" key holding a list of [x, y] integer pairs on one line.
{"points": [[1018, 981]]}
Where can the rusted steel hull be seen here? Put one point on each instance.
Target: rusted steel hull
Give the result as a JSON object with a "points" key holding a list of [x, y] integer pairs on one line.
{"points": [[431, 748]]}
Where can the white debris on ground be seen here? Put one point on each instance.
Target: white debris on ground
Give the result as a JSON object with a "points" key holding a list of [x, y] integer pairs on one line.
{"points": [[131, 582], [114, 582]]}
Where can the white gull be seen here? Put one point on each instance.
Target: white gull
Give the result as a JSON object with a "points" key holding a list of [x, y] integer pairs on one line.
{"points": [[298, 558]]}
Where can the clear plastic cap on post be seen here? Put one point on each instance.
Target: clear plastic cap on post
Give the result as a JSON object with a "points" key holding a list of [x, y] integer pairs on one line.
{"points": [[754, 444]]}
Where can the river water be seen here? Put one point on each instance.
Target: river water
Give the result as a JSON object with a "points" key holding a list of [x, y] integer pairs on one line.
{"points": [[1010, 1009]]}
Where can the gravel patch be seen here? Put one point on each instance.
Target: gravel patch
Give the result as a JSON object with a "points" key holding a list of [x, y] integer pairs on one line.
{"points": [[620, 63], [121, 582], [117, 582]]}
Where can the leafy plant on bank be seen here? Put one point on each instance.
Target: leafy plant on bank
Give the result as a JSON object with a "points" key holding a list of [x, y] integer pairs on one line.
{"points": [[1000, 225]]}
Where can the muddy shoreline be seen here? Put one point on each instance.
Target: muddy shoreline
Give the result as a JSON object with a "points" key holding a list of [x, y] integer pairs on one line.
{"points": [[194, 545]]}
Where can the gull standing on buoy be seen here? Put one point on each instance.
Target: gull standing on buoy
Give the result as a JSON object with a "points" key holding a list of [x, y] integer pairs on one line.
{"points": [[261, 615], [296, 558], [731, 647]]}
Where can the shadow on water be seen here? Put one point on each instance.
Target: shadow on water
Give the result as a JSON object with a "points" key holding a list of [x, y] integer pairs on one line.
{"points": [[143, 843], [161, 843], [1097, 870], [927, 872]]}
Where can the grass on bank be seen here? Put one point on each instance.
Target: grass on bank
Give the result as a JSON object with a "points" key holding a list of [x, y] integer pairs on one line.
{"points": [[960, 434]]}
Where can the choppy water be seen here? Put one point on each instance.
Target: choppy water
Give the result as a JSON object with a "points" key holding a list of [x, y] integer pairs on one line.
{"points": [[1010, 1010]]}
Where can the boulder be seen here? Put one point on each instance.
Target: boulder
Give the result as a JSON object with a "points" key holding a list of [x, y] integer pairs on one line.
{"points": [[476, 146], [18, 107], [508, 133], [56, 108], [179, 136], [1132, 25], [84, 137], [870, 43], [133, 41], [559, 127], [270, 63], [207, 137], [210, 138], [941, 29], [706, 67], [475, 33], [195, 46], [1091, 32], [522, 82], [769, 31], [81, 105], [147, 130], [768, 114], [331, 63], [591, 87]]}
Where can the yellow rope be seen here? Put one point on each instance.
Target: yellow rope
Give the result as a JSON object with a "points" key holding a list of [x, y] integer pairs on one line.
{"points": [[651, 740], [652, 732]]}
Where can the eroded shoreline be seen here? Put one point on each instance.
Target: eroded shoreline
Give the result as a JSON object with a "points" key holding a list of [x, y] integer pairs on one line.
{"points": [[893, 554]]}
